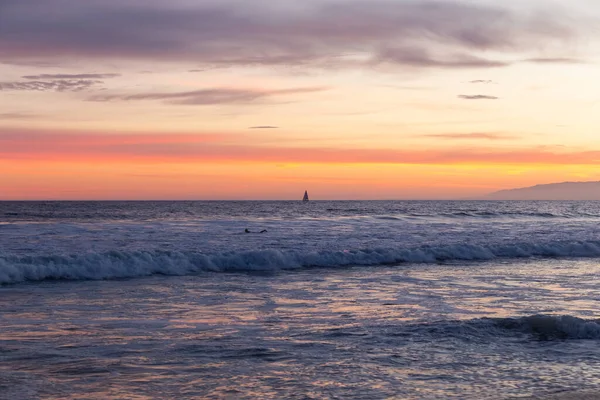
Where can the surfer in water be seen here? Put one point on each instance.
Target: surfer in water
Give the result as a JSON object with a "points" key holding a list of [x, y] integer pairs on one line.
{"points": [[249, 231]]}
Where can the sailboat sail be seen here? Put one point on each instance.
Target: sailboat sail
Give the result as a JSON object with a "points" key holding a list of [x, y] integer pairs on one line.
{"points": [[305, 198]]}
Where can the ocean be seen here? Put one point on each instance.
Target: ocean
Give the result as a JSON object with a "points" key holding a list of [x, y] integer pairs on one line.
{"points": [[333, 300]]}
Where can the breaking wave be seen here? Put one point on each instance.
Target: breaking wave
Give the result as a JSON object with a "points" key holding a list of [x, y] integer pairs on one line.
{"points": [[549, 327], [130, 264], [537, 327]]}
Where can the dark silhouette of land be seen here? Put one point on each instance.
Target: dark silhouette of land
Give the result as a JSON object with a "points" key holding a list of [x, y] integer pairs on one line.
{"points": [[552, 191]]}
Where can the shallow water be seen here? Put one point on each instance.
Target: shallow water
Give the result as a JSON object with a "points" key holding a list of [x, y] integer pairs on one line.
{"points": [[414, 332], [100, 240], [346, 300]]}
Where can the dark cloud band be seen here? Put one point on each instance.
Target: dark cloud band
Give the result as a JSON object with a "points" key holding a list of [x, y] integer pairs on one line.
{"points": [[414, 33]]}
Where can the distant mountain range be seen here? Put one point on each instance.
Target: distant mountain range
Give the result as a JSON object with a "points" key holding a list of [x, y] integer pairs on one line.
{"points": [[553, 191]]}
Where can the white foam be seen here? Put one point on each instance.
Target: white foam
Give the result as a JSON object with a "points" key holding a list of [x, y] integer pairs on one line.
{"points": [[129, 264], [553, 327]]}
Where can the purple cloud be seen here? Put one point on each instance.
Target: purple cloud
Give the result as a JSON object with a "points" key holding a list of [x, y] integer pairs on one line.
{"points": [[207, 96], [61, 85], [424, 33], [417, 57]]}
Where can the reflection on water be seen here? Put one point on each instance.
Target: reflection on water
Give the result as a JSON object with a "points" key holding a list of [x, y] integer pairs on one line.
{"points": [[410, 332]]}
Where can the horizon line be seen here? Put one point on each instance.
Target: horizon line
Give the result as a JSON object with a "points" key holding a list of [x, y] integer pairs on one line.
{"points": [[269, 200]]}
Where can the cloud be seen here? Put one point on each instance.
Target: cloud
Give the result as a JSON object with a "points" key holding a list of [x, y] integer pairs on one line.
{"points": [[264, 127], [71, 76], [483, 81], [558, 60], [470, 136], [205, 147], [416, 57], [208, 68], [93, 142], [477, 97], [322, 34], [208, 96], [18, 115], [61, 85]]}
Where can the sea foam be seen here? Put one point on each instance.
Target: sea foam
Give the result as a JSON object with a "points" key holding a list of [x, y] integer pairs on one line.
{"points": [[129, 264]]}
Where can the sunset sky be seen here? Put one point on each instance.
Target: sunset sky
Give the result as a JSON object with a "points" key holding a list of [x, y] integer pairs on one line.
{"points": [[253, 99]]}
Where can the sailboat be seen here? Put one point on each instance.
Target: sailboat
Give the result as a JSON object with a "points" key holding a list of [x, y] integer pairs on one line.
{"points": [[305, 198]]}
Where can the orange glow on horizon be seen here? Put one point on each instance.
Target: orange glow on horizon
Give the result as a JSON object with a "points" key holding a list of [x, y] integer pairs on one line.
{"points": [[132, 179]]}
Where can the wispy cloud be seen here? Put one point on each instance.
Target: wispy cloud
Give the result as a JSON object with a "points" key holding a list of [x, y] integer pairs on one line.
{"points": [[557, 60], [23, 140], [198, 148], [18, 115], [71, 76], [414, 33], [472, 136], [264, 127], [208, 96], [482, 81], [418, 57], [477, 97], [62, 85]]}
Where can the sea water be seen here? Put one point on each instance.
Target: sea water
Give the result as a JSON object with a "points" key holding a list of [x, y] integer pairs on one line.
{"points": [[336, 300]]}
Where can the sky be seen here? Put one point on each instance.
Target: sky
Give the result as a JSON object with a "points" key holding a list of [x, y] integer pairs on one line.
{"points": [[348, 99]]}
